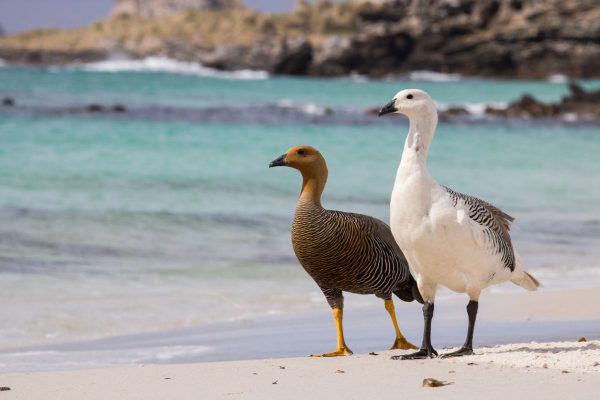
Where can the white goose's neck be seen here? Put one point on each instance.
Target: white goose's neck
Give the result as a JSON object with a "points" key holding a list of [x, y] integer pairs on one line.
{"points": [[420, 134], [413, 189]]}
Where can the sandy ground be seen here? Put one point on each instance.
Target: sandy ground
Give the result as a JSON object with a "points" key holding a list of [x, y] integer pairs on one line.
{"points": [[526, 348], [550, 305], [492, 374], [511, 317]]}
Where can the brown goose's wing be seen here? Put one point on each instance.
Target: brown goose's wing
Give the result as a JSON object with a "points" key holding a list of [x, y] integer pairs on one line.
{"points": [[370, 226], [374, 236], [495, 223]]}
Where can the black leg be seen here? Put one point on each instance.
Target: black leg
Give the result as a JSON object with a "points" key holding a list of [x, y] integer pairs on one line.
{"points": [[426, 351], [467, 348]]}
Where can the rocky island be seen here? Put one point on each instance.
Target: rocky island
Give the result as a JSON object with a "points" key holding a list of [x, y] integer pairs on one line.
{"points": [[499, 38]]}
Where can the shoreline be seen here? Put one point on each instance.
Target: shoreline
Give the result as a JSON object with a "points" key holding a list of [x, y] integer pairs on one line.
{"points": [[487, 375], [505, 317]]}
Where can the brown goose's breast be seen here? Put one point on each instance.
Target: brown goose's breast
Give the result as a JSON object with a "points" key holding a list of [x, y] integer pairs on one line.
{"points": [[310, 240], [339, 250]]}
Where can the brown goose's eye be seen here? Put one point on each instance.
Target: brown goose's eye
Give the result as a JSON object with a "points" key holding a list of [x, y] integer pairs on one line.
{"points": [[410, 96], [301, 152]]}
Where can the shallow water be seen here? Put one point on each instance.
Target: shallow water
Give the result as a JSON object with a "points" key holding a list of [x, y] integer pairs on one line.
{"points": [[167, 215]]}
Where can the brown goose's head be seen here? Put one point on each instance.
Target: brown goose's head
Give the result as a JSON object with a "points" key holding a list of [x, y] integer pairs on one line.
{"points": [[311, 165], [306, 159]]}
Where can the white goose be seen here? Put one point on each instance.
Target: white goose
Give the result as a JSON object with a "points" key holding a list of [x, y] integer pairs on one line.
{"points": [[448, 238]]}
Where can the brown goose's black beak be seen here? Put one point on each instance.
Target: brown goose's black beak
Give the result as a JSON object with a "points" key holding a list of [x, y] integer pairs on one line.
{"points": [[388, 108], [278, 162]]}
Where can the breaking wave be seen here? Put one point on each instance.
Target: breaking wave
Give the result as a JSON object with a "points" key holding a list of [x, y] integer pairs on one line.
{"points": [[558, 78], [167, 65], [431, 76], [305, 108]]}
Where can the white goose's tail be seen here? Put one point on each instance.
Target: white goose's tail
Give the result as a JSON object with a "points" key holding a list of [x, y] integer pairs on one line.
{"points": [[523, 278], [526, 281]]}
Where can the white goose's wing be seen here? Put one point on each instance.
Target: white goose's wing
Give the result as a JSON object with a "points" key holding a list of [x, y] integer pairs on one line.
{"points": [[494, 224]]}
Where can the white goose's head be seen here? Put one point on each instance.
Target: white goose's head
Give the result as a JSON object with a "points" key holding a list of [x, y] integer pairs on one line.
{"points": [[410, 102]]}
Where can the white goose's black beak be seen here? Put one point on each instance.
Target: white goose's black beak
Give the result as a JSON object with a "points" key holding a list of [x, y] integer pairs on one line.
{"points": [[278, 162], [388, 108]]}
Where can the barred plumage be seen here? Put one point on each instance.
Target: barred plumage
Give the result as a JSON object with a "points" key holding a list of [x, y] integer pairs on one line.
{"points": [[345, 251], [495, 222], [348, 252]]}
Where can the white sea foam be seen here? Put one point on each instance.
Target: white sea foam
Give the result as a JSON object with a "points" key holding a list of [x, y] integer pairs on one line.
{"points": [[478, 109], [558, 78], [358, 78], [171, 352], [431, 76], [306, 108], [3, 63], [570, 117], [168, 65]]}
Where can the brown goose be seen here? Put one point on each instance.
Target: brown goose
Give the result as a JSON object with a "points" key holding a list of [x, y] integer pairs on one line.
{"points": [[344, 251]]}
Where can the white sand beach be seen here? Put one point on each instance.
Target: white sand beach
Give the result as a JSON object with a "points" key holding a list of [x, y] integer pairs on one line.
{"points": [[533, 369], [502, 372]]}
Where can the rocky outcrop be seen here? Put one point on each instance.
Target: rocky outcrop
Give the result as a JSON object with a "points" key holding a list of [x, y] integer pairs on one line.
{"points": [[524, 38], [579, 104], [51, 57], [161, 8], [506, 38]]}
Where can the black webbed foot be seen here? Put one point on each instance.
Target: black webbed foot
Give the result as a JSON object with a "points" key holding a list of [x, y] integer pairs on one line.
{"points": [[419, 355], [463, 351]]}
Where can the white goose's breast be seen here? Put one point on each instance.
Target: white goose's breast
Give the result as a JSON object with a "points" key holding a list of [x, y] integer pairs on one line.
{"points": [[437, 245]]}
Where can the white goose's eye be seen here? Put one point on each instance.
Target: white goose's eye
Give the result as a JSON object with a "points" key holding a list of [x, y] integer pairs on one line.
{"points": [[410, 96]]}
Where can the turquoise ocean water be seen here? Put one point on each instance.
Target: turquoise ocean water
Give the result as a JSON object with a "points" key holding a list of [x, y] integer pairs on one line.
{"points": [[167, 215]]}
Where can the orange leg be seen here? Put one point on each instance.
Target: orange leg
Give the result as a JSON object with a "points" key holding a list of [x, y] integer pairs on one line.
{"points": [[401, 342], [342, 349]]}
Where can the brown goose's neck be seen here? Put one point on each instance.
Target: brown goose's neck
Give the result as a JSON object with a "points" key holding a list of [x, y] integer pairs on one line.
{"points": [[313, 185]]}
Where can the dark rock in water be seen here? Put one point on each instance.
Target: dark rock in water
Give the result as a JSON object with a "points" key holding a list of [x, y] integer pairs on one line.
{"points": [[578, 94], [120, 108], [453, 113], [456, 111], [4, 388], [526, 106], [584, 104], [8, 102], [580, 104], [95, 108]]}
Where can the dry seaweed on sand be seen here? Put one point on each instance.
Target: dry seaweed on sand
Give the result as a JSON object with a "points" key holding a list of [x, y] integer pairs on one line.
{"points": [[432, 382]]}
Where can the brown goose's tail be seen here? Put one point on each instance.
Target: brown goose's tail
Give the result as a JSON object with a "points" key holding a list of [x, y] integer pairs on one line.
{"points": [[409, 292]]}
